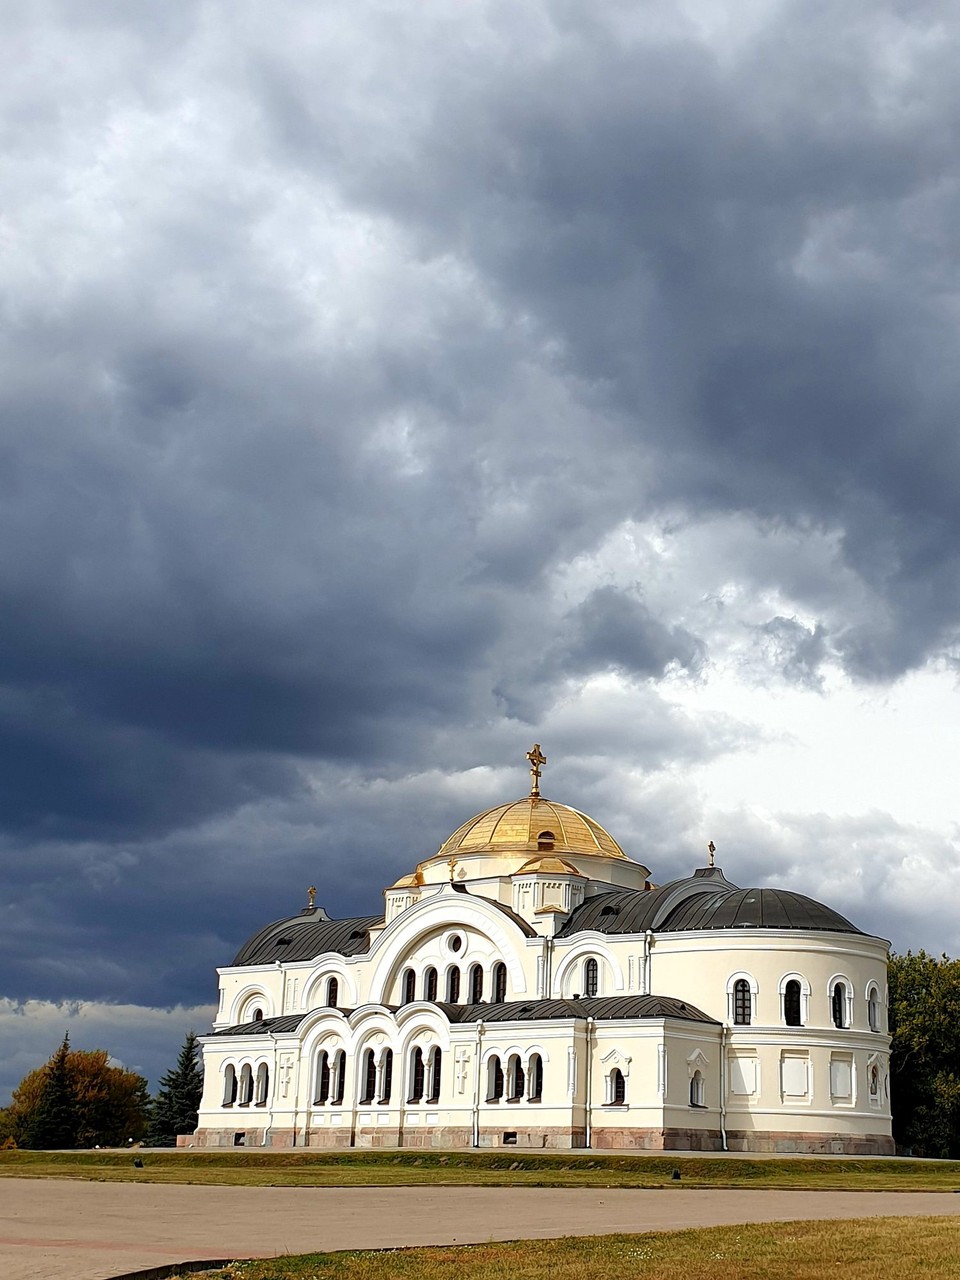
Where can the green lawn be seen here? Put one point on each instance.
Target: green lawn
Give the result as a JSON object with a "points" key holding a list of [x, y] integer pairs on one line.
{"points": [[476, 1168], [863, 1249]]}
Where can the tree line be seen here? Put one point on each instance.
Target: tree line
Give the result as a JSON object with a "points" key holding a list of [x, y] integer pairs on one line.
{"points": [[80, 1098]]}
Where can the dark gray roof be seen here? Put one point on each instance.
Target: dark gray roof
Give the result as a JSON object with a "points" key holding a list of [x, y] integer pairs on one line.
{"points": [[756, 909], [289, 1022], [305, 936], [705, 900], [603, 1008]]}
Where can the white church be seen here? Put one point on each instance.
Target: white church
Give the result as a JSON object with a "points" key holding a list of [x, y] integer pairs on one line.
{"points": [[528, 985]]}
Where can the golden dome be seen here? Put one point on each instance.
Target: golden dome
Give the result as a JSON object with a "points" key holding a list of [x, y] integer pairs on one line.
{"points": [[530, 825]]}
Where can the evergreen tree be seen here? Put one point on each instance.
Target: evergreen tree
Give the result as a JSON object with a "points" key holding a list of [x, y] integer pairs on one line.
{"points": [[52, 1121], [177, 1102]]}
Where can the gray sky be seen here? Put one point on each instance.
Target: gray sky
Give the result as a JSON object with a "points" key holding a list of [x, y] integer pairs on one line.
{"points": [[385, 387]]}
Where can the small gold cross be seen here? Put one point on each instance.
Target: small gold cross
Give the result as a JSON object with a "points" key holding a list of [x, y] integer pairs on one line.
{"points": [[536, 758], [452, 864], [311, 895]]}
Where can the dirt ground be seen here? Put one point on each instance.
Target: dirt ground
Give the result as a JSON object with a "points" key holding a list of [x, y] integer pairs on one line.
{"points": [[63, 1230]]}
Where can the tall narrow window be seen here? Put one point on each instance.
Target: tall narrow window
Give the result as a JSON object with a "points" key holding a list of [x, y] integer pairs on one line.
{"points": [[476, 984], [838, 1005], [874, 1081], [515, 1079], [323, 1078], [409, 987], [415, 1092], [436, 1067], [230, 1086], [333, 990], [618, 1088], [535, 1079], [340, 1074], [430, 984], [591, 978], [873, 1009], [453, 985], [499, 982], [742, 1003], [791, 1004], [494, 1079], [263, 1084], [696, 1090], [246, 1086], [369, 1078], [386, 1077]]}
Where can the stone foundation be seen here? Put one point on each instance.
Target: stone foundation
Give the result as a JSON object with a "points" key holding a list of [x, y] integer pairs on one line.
{"points": [[609, 1139], [452, 1138], [811, 1144]]}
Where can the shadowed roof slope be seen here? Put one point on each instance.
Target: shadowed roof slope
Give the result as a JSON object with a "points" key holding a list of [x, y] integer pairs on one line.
{"points": [[304, 936]]}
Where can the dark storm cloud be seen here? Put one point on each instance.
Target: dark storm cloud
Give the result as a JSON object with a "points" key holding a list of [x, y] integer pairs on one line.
{"points": [[613, 629], [331, 337]]}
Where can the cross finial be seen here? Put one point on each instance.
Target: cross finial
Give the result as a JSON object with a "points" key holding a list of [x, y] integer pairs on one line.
{"points": [[452, 864], [711, 849], [536, 758], [311, 895]]}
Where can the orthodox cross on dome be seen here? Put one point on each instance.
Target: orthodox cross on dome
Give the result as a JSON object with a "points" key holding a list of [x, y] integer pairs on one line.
{"points": [[536, 758], [452, 864], [711, 849], [311, 895]]}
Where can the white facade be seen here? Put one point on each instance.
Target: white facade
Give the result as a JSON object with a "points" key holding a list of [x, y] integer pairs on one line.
{"points": [[527, 985]]}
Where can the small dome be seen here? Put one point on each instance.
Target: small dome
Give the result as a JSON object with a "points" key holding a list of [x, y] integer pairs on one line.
{"points": [[548, 865], [531, 824]]}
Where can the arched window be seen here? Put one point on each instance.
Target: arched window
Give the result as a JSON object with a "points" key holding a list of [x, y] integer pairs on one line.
{"points": [[369, 1078], [263, 1084], [499, 982], [476, 984], [515, 1078], [453, 985], [415, 1092], [436, 1068], [591, 977], [873, 1008], [696, 1090], [618, 1088], [409, 987], [257, 1015], [430, 984], [386, 1077], [340, 1077], [322, 1092], [742, 1003], [545, 840], [791, 1004], [494, 1079], [333, 990], [838, 1004], [246, 1085], [230, 1086], [535, 1079]]}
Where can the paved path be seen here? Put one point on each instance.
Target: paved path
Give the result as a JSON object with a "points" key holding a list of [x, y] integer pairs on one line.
{"points": [[58, 1229]]}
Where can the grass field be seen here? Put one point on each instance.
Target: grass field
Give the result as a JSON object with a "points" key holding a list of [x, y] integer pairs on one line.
{"points": [[481, 1168], [864, 1249]]}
